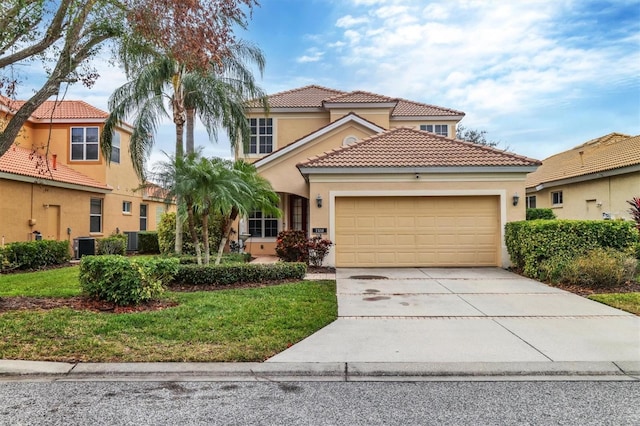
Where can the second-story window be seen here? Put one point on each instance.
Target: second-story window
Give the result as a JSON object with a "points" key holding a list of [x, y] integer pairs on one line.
{"points": [[85, 143], [115, 147], [438, 129], [261, 135]]}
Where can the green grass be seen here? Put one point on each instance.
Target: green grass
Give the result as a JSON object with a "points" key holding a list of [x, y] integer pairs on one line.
{"points": [[629, 302], [62, 282], [225, 325]]}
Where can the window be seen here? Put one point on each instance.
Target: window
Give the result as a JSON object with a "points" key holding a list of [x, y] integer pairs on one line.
{"points": [[262, 226], [261, 141], [556, 198], [531, 202], [115, 147], [438, 129], [84, 143], [95, 215], [143, 217], [126, 207]]}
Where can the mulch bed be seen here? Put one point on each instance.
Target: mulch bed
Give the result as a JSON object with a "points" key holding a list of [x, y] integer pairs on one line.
{"points": [[630, 287], [79, 303]]}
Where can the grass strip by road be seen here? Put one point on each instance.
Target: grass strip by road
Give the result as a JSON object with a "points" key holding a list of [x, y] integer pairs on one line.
{"points": [[226, 325], [629, 302]]}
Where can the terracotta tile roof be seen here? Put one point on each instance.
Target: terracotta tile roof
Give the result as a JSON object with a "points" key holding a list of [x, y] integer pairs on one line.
{"points": [[407, 108], [406, 147], [359, 97], [152, 191], [315, 96], [59, 109], [608, 152], [21, 161]]}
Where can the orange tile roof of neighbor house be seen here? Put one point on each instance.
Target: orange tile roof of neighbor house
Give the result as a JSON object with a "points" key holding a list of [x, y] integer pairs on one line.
{"points": [[407, 147], [609, 152], [58, 110], [316, 96], [23, 162]]}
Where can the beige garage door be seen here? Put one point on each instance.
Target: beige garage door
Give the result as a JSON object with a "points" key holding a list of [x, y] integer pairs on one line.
{"points": [[417, 231]]}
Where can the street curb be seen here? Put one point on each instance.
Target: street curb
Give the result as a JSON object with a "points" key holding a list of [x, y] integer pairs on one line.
{"points": [[334, 371]]}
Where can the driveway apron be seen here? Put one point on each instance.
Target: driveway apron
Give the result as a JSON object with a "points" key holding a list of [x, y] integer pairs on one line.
{"points": [[464, 315]]}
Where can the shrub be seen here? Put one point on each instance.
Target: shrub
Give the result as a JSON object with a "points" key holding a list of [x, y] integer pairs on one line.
{"points": [[167, 234], [600, 267], [125, 281], [635, 211], [35, 254], [533, 214], [114, 244], [318, 250], [291, 246], [148, 242], [233, 273], [533, 245]]}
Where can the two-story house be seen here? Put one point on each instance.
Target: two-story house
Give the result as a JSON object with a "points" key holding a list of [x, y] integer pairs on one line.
{"points": [[383, 178], [55, 183]]}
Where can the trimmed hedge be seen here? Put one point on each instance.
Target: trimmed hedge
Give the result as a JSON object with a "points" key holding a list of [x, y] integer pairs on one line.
{"points": [[533, 214], [125, 281], [115, 244], [553, 242], [228, 274], [35, 254], [148, 242]]}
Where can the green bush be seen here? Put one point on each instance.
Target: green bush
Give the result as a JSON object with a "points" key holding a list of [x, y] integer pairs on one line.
{"points": [[537, 244], [148, 242], [114, 244], [187, 259], [35, 254], [533, 214], [600, 267], [167, 234], [227, 274], [125, 281]]}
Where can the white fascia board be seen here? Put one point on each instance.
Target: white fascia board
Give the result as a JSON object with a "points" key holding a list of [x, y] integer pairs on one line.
{"points": [[346, 105], [330, 127], [283, 109], [391, 170], [70, 121], [584, 178], [54, 183], [426, 118]]}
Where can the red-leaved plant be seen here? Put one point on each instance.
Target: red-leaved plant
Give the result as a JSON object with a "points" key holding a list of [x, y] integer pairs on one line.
{"points": [[293, 246], [635, 210]]}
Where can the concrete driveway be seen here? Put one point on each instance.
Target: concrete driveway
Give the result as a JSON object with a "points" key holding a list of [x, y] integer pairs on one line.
{"points": [[464, 315]]}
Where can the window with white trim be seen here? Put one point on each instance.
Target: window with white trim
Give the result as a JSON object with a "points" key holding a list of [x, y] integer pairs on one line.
{"points": [[143, 217], [438, 129], [126, 207], [556, 198], [115, 148], [531, 202], [262, 226], [95, 215], [261, 141], [85, 145]]}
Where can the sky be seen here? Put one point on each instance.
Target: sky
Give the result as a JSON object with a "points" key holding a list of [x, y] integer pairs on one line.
{"points": [[538, 76]]}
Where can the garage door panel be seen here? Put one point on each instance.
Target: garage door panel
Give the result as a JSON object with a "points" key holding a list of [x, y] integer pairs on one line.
{"points": [[417, 231]]}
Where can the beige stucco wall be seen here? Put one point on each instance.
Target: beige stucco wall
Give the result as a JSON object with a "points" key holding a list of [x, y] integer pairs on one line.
{"points": [[379, 116], [590, 199], [330, 187]]}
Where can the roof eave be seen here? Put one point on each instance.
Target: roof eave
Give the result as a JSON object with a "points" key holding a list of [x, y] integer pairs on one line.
{"points": [[426, 117], [54, 183], [258, 110], [347, 105], [304, 170], [584, 178]]}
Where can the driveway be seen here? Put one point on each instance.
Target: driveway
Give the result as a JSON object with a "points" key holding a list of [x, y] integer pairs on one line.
{"points": [[464, 315]]}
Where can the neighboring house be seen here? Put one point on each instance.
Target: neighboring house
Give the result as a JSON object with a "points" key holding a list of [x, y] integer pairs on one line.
{"points": [[55, 182], [591, 181], [382, 178]]}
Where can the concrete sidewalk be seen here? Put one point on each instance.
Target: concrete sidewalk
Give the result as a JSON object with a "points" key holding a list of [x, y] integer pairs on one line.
{"points": [[471, 315]]}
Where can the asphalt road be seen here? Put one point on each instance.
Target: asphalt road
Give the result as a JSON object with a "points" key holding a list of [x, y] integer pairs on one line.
{"points": [[320, 403]]}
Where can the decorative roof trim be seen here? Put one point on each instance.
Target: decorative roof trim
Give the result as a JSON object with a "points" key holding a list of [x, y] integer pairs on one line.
{"points": [[320, 132], [305, 171], [346, 105], [584, 178]]}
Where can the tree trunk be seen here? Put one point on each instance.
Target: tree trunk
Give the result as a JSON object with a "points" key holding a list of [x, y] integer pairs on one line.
{"points": [[191, 116], [191, 221], [205, 235], [225, 234]]}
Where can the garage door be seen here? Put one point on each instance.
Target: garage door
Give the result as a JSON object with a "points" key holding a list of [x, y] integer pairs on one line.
{"points": [[417, 231]]}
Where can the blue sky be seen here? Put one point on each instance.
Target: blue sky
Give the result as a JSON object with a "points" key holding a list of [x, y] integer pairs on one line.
{"points": [[538, 76]]}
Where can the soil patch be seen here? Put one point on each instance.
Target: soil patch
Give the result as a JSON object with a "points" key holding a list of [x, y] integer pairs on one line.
{"points": [[78, 303], [629, 287]]}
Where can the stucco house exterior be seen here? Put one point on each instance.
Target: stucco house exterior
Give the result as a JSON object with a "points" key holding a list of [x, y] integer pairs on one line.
{"points": [[384, 179], [591, 181], [55, 182]]}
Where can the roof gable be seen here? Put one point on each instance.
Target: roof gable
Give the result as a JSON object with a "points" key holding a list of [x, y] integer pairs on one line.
{"points": [[300, 143], [609, 152], [359, 96], [23, 162], [58, 110], [409, 148]]}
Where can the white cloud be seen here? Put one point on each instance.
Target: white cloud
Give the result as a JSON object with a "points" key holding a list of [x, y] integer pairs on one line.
{"points": [[350, 21], [313, 55]]}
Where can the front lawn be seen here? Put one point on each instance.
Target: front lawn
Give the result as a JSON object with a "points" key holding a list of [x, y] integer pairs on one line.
{"points": [[629, 302], [225, 325]]}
